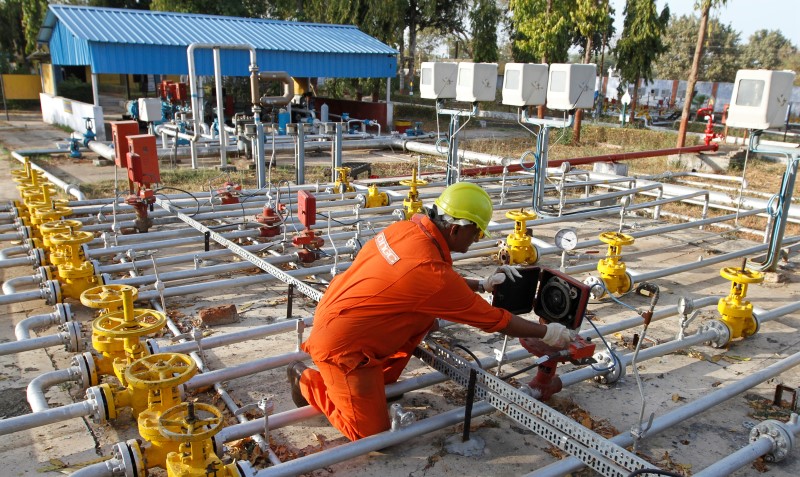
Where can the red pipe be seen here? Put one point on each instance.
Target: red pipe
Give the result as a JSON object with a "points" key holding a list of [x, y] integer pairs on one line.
{"points": [[578, 161]]}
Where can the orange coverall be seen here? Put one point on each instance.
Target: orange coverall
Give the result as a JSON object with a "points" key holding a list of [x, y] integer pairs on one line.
{"points": [[373, 316]]}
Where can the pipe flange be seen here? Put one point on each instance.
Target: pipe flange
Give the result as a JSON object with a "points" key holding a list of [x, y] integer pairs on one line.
{"points": [[75, 341], [85, 250], [597, 289], [64, 312], [399, 214], [102, 402], [130, 459], [615, 370], [25, 232], [782, 439], [723, 333], [362, 200], [244, 468], [152, 346], [85, 363], [355, 245], [51, 292], [45, 274], [38, 259]]}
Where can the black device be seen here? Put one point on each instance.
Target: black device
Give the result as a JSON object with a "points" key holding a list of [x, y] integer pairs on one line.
{"points": [[554, 296]]}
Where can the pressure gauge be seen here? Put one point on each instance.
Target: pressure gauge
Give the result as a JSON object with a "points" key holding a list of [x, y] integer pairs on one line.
{"points": [[685, 305], [566, 239]]}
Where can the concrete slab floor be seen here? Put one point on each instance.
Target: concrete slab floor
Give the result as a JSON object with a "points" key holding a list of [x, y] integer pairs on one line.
{"points": [[668, 382]]}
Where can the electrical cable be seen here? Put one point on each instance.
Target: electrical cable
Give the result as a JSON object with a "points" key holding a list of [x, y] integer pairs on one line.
{"points": [[654, 471], [466, 350], [196, 201]]}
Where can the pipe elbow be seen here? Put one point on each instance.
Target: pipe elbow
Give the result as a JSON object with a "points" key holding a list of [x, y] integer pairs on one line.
{"points": [[10, 285], [6, 253], [40, 384]]}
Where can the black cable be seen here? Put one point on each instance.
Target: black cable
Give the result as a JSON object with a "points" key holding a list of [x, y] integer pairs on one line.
{"points": [[614, 358], [517, 373], [196, 201], [462, 347], [655, 471]]}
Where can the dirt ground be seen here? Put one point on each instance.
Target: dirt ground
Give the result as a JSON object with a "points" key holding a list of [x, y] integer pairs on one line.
{"points": [[669, 382]]}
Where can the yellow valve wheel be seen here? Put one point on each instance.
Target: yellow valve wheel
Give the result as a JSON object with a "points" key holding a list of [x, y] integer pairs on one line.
{"points": [[737, 275], [74, 237], [190, 422], [107, 296], [616, 238], [117, 324], [60, 226], [414, 182], [160, 370], [520, 215]]}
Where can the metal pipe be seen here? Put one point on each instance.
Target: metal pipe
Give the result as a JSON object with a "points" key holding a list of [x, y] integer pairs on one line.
{"points": [[17, 250], [764, 444], [21, 297], [23, 329], [70, 189], [244, 369], [108, 468], [10, 285], [30, 344], [49, 416], [40, 384]]}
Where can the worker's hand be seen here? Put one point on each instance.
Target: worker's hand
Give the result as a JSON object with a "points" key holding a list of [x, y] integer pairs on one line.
{"points": [[558, 336], [499, 276]]}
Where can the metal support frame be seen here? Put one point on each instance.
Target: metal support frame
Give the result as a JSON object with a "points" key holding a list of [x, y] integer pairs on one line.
{"points": [[453, 173], [276, 272], [592, 449]]}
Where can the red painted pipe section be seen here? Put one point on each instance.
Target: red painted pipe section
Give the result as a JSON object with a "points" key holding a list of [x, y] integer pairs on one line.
{"points": [[578, 161]]}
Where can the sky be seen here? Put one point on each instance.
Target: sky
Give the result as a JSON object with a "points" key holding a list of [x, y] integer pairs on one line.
{"points": [[745, 16]]}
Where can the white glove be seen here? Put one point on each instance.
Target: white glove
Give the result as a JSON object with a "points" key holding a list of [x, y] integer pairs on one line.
{"points": [[558, 336], [499, 276]]}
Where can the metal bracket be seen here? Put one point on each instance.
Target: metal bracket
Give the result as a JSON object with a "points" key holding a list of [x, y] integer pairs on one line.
{"points": [[592, 449]]}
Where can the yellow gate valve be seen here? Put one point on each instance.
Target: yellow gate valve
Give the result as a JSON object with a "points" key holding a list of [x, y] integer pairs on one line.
{"points": [[736, 311], [126, 326], [75, 273], [56, 227], [376, 198], [342, 183], [193, 425], [153, 389], [49, 213], [612, 268], [412, 203], [518, 247]]}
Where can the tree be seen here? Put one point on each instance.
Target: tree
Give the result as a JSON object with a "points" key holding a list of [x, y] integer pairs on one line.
{"points": [[722, 50], [541, 31], [767, 49], [12, 42], [485, 17], [589, 17], [33, 13], [705, 7], [640, 44]]}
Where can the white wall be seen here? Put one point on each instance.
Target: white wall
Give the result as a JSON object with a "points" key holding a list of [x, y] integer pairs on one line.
{"points": [[66, 112]]}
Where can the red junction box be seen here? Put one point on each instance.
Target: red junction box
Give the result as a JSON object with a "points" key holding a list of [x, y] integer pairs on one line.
{"points": [[120, 130], [143, 159], [306, 208]]}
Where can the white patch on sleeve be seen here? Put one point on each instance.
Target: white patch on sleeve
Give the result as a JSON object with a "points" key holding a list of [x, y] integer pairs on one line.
{"points": [[383, 247]]}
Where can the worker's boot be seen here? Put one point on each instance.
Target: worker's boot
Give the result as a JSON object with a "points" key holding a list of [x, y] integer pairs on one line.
{"points": [[293, 373]]}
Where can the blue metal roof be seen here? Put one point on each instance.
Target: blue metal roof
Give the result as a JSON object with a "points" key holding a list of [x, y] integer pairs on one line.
{"points": [[112, 40]]}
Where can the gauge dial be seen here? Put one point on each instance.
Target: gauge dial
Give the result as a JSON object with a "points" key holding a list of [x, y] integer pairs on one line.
{"points": [[566, 239], [685, 305]]}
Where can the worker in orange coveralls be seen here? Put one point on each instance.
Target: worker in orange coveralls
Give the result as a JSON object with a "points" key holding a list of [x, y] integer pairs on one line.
{"points": [[374, 314]]}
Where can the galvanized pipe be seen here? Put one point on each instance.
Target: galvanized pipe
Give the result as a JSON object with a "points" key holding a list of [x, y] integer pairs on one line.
{"points": [[49, 416], [30, 344], [70, 189], [40, 384]]}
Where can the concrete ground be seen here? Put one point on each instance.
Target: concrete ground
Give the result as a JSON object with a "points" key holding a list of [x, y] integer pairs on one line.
{"points": [[668, 382]]}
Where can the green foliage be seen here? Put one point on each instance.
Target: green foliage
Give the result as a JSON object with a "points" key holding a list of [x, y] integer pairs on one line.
{"points": [[591, 18], [641, 40], [75, 89], [722, 50], [767, 49], [485, 17], [541, 30], [33, 13]]}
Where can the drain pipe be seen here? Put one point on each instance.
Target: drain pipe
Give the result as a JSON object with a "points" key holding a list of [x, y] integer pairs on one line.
{"points": [[70, 189]]}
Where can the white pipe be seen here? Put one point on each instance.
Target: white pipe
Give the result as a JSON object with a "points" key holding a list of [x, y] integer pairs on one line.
{"points": [[39, 385], [10, 285], [49, 416], [62, 314], [70, 189]]}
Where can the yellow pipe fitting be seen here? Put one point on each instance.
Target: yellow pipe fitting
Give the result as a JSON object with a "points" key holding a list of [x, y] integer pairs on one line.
{"points": [[342, 183], [411, 203], [376, 198], [75, 274], [611, 268], [193, 425], [735, 310], [518, 248]]}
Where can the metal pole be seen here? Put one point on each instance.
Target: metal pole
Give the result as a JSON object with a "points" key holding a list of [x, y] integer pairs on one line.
{"points": [[3, 88], [300, 173], [223, 135]]}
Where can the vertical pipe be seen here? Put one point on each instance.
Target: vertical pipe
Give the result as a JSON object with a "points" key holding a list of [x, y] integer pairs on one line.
{"points": [[261, 166], [301, 154], [95, 91], [223, 135]]}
